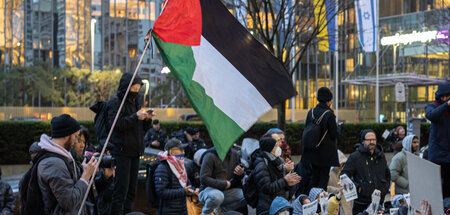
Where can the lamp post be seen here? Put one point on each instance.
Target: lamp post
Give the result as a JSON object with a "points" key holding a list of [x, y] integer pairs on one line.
{"points": [[93, 21]]}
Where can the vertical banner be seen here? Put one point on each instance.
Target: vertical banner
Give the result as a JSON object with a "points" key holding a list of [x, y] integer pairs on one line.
{"points": [[325, 14], [366, 24]]}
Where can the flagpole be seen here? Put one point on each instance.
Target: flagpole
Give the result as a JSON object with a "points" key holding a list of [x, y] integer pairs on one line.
{"points": [[377, 87], [117, 117], [336, 64]]}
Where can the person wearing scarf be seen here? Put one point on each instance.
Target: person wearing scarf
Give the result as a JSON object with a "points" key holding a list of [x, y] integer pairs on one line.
{"points": [[172, 193]]}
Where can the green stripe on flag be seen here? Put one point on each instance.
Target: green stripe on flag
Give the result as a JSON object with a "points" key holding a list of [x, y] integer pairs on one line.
{"points": [[222, 129]]}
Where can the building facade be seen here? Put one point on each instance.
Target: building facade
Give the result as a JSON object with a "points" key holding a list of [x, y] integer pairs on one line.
{"points": [[60, 33]]}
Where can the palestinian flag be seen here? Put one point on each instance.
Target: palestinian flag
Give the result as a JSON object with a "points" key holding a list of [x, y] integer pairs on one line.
{"points": [[229, 77]]}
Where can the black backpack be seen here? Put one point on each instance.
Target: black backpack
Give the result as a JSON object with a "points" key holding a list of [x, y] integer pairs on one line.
{"points": [[312, 137], [250, 190], [30, 194], [101, 126], [150, 182]]}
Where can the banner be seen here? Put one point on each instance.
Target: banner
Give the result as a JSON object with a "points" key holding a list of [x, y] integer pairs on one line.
{"points": [[366, 24]]}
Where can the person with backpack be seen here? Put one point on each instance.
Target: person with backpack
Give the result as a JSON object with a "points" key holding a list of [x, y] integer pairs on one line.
{"points": [[54, 184], [7, 199], [221, 183], [272, 176], [171, 181], [438, 112], [320, 153], [127, 142]]}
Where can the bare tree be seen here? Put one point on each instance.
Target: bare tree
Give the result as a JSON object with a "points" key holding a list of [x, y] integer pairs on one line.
{"points": [[287, 28]]}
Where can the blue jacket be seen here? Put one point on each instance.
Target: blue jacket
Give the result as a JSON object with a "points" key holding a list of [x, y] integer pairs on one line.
{"points": [[172, 195], [439, 115], [278, 204]]}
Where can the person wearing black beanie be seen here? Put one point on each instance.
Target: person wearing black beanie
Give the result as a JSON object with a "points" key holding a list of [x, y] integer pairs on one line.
{"points": [[273, 176], [319, 159], [324, 95]]}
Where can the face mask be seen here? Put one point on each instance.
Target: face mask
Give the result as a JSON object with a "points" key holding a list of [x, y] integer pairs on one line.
{"points": [[179, 157], [132, 95], [284, 213], [278, 151]]}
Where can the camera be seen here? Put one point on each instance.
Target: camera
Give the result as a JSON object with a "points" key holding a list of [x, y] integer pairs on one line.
{"points": [[107, 161]]}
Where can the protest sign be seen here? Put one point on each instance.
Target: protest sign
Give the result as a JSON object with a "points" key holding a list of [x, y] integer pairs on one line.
{"points": [[310, 209], [420, 171], [349, 188]]}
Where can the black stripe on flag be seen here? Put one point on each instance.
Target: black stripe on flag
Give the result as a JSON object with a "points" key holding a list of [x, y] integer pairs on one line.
{"points": [[245, 53]]}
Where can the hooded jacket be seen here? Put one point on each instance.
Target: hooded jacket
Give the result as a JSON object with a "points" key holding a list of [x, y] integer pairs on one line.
{"points": [[278, 204], [439, 115], [128, 135], [269, 180], [368, 172], [326, 154], [62, 190], [297, 205], [399, 167]]}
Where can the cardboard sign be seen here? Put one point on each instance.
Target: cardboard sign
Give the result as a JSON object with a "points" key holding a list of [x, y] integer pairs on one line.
{"points": [[349, 188], [420, 171], [310, 209]]}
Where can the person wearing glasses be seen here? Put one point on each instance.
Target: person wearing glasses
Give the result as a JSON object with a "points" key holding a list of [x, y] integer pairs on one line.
{"points": [[368, 169]]}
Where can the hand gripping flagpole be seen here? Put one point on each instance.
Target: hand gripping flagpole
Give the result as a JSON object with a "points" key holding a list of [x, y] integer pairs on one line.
{"points": [[117, 115]]}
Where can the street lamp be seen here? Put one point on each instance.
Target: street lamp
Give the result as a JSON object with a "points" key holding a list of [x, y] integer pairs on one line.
{"points": [[93, 21]]}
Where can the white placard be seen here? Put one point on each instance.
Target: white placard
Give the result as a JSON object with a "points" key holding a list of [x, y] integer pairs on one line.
{"points": [[400, 92], [420, 171], [310, 209], [349, 188], [323, 202], [373, 207], [392, 211], [385, 134]]}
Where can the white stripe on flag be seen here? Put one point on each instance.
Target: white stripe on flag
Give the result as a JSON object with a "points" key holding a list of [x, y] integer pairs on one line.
{"points": [[366, 16], [230, 90]]}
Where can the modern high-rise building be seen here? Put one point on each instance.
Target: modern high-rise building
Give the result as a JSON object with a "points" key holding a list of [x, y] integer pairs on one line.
{"points": [[60, 33]]}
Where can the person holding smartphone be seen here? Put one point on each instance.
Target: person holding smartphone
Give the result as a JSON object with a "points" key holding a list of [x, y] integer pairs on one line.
{"points": [[127, 142]]}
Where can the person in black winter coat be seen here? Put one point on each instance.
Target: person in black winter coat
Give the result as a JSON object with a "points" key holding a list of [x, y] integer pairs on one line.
{"points": [[368, 169], [272, 174], [172, 194], [193, 167], [438, 112], [127, 142], [156, 137], [325, 156], [195, 144]]}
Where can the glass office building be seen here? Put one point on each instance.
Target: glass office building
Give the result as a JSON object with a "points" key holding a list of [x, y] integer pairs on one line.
{"points": [[59, 32]]}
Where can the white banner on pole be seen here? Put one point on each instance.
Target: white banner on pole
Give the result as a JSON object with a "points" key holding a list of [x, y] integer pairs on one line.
{"points": [[366, 22]]}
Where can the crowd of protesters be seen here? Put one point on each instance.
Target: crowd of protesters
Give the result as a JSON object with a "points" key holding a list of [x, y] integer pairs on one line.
{"points": [[191, 178]]}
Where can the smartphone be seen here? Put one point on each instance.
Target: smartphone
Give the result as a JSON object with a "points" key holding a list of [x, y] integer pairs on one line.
{"points": [[150, 111]]}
